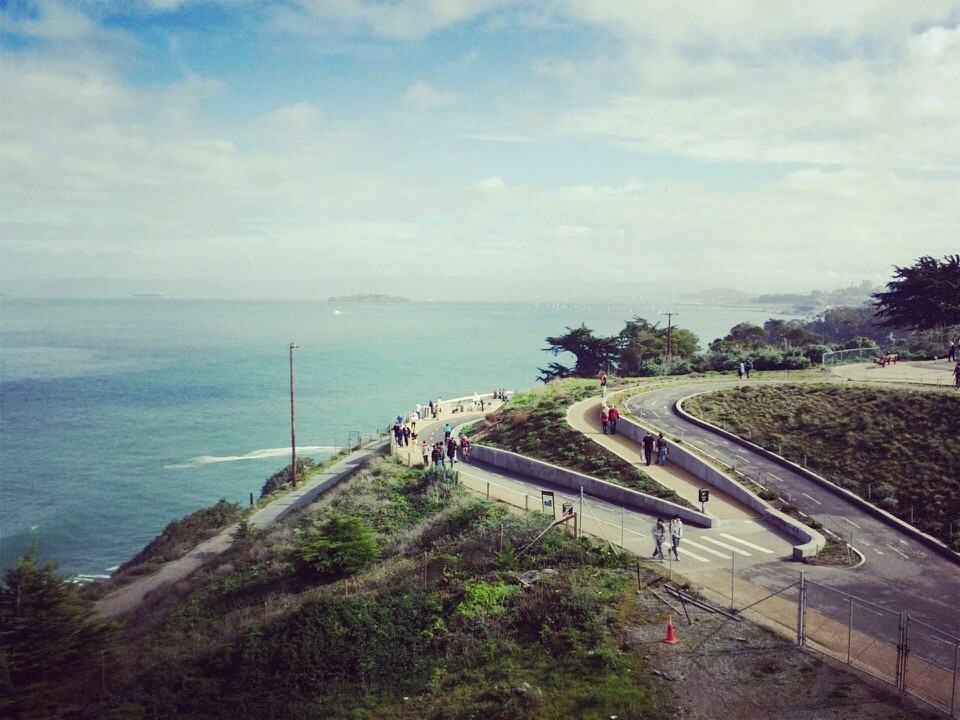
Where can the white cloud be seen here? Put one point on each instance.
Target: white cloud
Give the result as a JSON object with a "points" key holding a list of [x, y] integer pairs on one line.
{"points": [[424, 96]]}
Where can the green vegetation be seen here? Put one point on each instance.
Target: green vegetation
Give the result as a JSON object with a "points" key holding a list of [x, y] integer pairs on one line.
{"points": [[438, 628], [895, 448], [341, 545], [48, 638], [535, 424], [925, 296]]}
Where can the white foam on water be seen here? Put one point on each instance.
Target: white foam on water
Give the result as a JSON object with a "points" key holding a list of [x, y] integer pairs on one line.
{"points": [[254, 455]]}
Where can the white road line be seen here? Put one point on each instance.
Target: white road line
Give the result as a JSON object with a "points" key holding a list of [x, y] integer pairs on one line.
{"points": [[706, 549], [686, 553], [878, 552], [811, 497], [897, 551], [854, 524], [748, 544], [775, 477], [904, 542], [731, 548], [863, 542]]}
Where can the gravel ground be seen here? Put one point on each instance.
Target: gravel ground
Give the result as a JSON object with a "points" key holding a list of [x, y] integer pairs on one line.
{"points": [[722, 669]]}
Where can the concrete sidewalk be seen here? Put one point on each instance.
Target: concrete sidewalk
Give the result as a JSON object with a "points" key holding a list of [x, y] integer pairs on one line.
{"points": [[585, 418]]}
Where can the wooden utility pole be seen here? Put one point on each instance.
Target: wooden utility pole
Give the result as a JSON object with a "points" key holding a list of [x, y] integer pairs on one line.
{"points": [[293, 430], [669, 333]]}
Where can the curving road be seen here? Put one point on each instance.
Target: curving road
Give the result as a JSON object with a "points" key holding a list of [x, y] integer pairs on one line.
{"points": [[899, 573]]}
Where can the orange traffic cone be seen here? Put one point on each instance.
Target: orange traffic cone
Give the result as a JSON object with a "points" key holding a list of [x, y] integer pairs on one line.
{"points": [[671, 638]]}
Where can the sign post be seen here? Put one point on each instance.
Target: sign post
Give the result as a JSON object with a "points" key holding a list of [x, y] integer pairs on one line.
{"points": [[704, 497], [548, 506]]}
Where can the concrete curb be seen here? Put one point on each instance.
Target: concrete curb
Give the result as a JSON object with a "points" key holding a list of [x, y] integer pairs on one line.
{"points": [[882, 515], [810, 540], [570, 480]]}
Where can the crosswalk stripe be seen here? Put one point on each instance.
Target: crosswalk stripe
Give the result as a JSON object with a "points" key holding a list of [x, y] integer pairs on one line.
{"points": [[748, 544], [687, 554], [706, 549], [731, 548]]}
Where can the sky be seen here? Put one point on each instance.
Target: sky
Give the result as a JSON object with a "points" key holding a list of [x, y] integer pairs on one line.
{"points": [[474, 149]]}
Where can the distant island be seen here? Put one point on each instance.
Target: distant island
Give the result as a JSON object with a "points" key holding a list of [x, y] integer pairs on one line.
{"points": [[368, 298]]}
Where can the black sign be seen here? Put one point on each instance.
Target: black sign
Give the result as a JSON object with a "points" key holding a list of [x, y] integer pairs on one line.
{"points": [[704, 496], [568, 508]]}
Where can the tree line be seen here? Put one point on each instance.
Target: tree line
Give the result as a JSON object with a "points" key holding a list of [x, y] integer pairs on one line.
{"points": [[916, 316]]}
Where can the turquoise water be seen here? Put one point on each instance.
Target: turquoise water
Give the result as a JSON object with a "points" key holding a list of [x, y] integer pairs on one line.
{"points": [[117, 416]]}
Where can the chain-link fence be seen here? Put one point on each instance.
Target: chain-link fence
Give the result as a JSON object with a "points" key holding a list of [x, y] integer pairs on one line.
{"points": [[912, 656]]}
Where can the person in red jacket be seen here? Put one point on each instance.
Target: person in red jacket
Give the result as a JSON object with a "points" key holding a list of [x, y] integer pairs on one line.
{"points": [[604, 419], [613, 415]]}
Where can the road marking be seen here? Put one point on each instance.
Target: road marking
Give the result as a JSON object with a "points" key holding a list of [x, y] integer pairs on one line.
{"points": [[855, 525], [863, 542], [748, 544], [904, 542], [878, 552], [812, 498], [706, 549], [775, 477], [731, 548], [687, 553], [898, 552]]}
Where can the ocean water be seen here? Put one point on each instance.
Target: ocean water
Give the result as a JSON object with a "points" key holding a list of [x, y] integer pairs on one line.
{"points": [[118, 416]]}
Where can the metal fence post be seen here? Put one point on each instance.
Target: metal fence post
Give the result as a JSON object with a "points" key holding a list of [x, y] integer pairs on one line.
{"points": [[953, 686], [802, 612], [849, 629], [902, 652]]}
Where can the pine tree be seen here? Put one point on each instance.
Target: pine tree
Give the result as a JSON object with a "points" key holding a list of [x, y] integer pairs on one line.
{"points": [[44, 628]]}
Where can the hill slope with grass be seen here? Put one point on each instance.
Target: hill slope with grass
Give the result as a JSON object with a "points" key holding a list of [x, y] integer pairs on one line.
{"points": [[400, 596], [896, 448]]}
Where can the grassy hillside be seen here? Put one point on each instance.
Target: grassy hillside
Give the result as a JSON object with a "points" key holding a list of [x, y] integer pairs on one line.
{"points": [[401, 597], [896, 447], [534, 423]]}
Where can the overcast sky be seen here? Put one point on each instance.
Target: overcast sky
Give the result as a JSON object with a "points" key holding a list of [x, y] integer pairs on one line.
{"points": [[307, 147]]}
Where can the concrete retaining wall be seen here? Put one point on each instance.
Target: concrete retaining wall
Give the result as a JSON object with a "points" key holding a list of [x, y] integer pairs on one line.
{"points": [[573, 481], [810, 541]]}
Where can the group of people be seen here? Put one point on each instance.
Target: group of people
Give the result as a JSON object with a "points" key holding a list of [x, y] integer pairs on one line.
{"points": [[447, 451], [659, 443], [743, 368], [659, 533], [609, 418]]}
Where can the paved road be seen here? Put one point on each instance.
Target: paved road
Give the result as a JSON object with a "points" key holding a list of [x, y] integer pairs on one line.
{"points": [[899, 572], [702, 550]]}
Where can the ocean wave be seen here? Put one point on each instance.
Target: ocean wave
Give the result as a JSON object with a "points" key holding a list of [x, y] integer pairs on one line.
{"points": [[254, 455]]}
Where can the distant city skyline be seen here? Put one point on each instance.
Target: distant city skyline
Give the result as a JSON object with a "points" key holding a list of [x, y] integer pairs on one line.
{"points": [[474, 150]]}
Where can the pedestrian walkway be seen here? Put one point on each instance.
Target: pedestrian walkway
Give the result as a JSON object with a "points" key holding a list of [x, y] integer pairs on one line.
{"points": [[130, 596], [912, 372], [585, 417]]}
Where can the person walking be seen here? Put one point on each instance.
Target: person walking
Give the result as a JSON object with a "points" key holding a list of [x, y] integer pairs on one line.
{"points": [[604, 420], [676, 532], [952, 351], [437, 455], [740, 370], [749, 367], [648, 443], [614, 416], [446, 432], [425, 451], [662, 450], [956, 375], [452, 451], [603, 382], [659, 533]]}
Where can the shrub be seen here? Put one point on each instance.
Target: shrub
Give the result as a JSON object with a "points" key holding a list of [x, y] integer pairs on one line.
{"points": [[342, 545]]}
